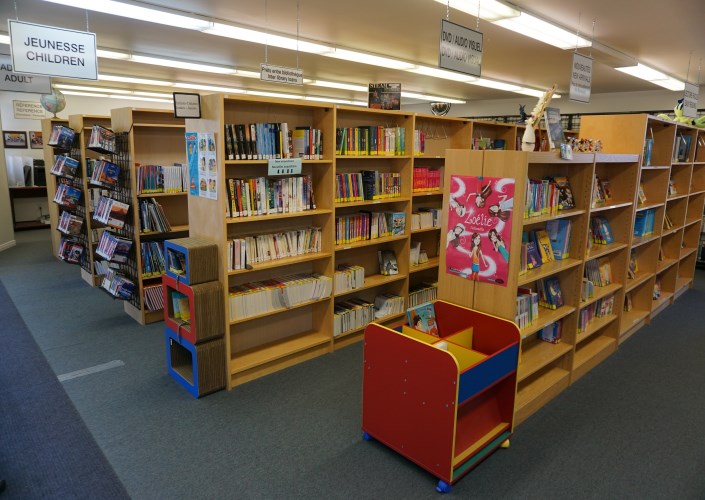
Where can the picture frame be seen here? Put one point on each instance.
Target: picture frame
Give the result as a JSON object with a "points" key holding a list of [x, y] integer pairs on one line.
{"points": [[36, 141], [14, 140]]}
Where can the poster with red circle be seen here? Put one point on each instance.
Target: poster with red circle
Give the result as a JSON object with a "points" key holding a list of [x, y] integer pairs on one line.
{"points": [[480, 213]]}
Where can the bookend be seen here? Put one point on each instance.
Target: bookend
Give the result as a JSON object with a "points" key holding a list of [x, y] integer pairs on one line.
{"points": [[444, 403]]}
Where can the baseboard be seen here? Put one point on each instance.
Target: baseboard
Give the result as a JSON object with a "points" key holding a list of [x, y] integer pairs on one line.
{"points": [[7, 244]]}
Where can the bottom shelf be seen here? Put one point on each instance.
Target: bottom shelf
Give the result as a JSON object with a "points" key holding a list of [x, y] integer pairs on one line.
{"points": [[262, 360], [591, 353], [661, 303], [541, 389], [631, 322], [682, 285]]}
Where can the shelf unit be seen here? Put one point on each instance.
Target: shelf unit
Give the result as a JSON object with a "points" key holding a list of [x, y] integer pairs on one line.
{"points": [[673, 183], [50, 153], [155, 137]]}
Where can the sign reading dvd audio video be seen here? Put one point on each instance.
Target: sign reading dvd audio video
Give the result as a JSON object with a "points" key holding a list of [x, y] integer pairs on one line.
{"points": [[45, 50], [461, 49]]}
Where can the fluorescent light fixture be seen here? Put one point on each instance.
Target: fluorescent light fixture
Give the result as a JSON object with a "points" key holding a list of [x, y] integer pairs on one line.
{"points": [[264, 38], [130, 79], [134, 98], [329, 99], [134, 10], [171, 63], [112, 54], [490, 10], [361, 57], [337, 85], [441, 73], [62, 86], [248, 74], [492, 84], [5, 39], [654, 76], [274, 94], [543, 31], [432, 98], [86, 94], [152, 94], [209, 88]]}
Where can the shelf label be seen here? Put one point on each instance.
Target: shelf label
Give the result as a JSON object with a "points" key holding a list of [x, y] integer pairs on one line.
{"points": [[284, 166], [187, 105], [460, 49], [45, 50], [13, 82], [690, 100], [581, 78], [281, 74]]}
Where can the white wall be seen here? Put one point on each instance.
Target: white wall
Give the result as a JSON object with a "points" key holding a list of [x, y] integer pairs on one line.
{"points": [[75, 105]]}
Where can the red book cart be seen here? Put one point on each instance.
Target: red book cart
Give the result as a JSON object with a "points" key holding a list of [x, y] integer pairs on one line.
{"points": [[443, 402]]}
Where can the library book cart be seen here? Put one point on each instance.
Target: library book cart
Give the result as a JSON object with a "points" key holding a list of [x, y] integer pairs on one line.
{"points": [[444, 402]]}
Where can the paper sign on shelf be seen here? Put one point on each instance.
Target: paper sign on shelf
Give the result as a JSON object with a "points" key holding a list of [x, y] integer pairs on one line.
{"points": [[284, 166]]}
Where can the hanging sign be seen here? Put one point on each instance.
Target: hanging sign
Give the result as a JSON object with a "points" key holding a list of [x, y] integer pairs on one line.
{"points": [[581, 78], [280, 74], [187, 105], [461, 49], [690, 100], [14, 82], [45, 50], [30, 110], [479, 228]]}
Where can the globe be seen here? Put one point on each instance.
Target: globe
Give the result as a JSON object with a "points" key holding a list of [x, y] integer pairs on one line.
{"points": [[54, 102], [440, 108]]}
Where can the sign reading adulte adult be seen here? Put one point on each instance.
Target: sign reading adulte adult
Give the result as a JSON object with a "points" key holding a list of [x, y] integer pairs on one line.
{"points": [[45, 50]]}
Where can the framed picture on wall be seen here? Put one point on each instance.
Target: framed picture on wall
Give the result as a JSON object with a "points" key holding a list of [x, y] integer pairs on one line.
{"points": [[17, 140], [36, 141]]}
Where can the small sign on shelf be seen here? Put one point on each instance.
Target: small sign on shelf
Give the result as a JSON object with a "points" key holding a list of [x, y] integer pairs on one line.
{"points": [[284, 166]]}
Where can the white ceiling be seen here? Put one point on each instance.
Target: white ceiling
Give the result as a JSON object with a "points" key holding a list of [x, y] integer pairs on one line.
{"points": [[660, 34]]}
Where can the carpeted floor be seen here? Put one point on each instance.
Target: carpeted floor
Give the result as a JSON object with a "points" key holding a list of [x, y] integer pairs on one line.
{"points": [[628, 429]]}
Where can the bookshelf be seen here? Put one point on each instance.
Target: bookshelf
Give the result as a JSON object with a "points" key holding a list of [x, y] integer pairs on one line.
{"points": [[50, 153], [670, 191], [155, 138]]}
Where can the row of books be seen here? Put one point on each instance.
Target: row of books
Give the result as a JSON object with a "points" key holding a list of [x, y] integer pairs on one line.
{"points": [[153, 298], [111, 212], [598, 309], [644, 222], [70, 224], [367, 185], [427, 179], [348, 277], [266, 247], [547, 196], [601, 191], [64, 166], [419, 142], [551, 333], [153, 263], [600, 231], [373, 140], [351, 315], [67, 196], [265, 195], [104, 173], [599, 271], [152, 217], [422, 292], [180, 309], [426, 218], [113, 248], [117, 285], [162, 179], [540, 246], [61, 137], [368, 226], [102, 140], [70, 250], [264, 141], [527, 308], [103, 267], [261, 297], [417, 255]]}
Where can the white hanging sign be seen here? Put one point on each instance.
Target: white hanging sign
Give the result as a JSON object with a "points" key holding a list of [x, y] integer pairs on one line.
{"points": [[281, 74], [581, 78], [690, 100], [9, 80], [461, 49], [45, 50]]}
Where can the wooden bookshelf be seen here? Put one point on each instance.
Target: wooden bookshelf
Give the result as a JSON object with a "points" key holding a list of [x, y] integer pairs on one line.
{"points": [[50, 153], [155, 137]]}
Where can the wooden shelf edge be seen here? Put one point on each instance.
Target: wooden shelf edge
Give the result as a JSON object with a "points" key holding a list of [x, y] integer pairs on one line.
{"points": [[271, 264], [261, 355], [548, 354], [535, 395], [372, 281], [595, 326], [277, 311], [546, 317], [547, 269]]}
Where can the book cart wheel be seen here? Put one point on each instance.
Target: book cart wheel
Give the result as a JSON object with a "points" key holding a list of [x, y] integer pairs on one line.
{"points": [[366, 436], [505, 444], [443, 487]]}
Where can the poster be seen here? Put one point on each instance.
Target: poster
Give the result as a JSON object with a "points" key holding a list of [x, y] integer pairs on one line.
{"points": [[479, 228], [202, 165]]}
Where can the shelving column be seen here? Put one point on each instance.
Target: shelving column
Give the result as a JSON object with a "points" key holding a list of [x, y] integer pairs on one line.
{"points": [[50, 153]]}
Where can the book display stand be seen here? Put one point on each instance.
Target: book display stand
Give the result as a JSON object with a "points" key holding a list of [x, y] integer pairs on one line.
{"points": [[443, 402], [193, 316], [50, 153]]}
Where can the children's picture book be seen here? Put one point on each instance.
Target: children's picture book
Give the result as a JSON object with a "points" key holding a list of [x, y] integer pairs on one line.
{"points": [[384, 96], [555, 130], [533, 257], [388, 265], [423, 318], [565, 193], [559, 233]]}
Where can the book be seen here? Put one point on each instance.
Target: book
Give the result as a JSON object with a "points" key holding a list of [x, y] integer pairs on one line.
{"points": [[543, 243], [565, 193], [556, 137], [641, 194], [387, 263], [558, 231], [533, 258], [423, 318]]}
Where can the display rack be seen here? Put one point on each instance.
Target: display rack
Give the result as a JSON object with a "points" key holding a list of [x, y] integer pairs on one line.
{"points": [[154, 137], [50, 153]]}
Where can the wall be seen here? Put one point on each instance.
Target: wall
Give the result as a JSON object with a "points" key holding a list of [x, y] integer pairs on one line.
{"points": [[75, 105]]}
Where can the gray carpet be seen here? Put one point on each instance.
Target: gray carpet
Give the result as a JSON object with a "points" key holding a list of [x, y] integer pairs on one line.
{"points": [[628, 429]]}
